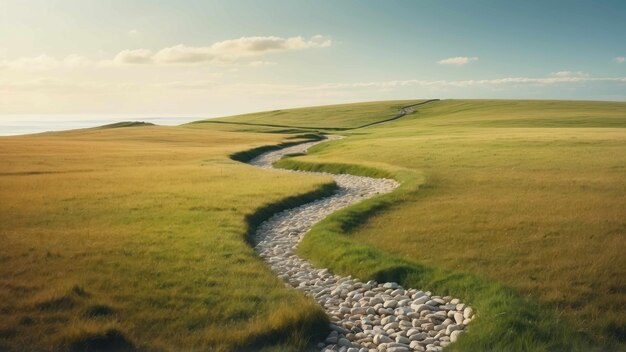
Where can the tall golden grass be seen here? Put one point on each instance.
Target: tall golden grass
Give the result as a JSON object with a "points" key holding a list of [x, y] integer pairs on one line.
{"points": [[135, 238]]}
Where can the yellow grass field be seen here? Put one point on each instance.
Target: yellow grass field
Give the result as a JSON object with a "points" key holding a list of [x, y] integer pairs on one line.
{"points": [[136, 237]]}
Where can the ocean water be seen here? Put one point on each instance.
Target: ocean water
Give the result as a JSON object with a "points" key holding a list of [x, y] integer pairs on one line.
{"points": [[25, 124]]}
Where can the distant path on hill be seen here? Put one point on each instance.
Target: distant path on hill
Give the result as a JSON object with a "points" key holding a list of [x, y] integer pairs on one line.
{"points": [[403, 112], [364, 315]]}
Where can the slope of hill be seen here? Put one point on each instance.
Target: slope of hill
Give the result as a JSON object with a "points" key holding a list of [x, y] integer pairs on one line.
{"points": [[330, 117], [123, 238], [137, 236], [529, 194]]}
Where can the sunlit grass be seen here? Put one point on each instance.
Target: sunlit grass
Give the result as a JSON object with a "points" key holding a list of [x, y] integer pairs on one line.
{"points": [[321, 117], [527, 194], [136, 237]]}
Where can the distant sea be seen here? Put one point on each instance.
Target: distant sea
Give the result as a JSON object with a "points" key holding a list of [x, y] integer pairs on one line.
{"points": [[26, 124]]}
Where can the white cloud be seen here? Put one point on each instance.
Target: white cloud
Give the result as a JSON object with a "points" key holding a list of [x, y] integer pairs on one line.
{"points": [[183, 54], [133, 32], [227, 50], [569, 74], [44, 62], [260, 63], [188, 85], [471, 83], [212, 82], [137, 56], [35, 63], [458, 60], [620, 59], [251, 45], [224, 51]]}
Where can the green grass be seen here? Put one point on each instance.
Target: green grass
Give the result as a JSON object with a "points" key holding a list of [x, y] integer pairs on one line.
{"points": [[515, 206], [127, 124], [522, 113], [331, 117], [506, 320], [136, 238]]}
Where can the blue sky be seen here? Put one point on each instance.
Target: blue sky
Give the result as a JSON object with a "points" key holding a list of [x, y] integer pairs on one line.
{"points": [[209, 58]]}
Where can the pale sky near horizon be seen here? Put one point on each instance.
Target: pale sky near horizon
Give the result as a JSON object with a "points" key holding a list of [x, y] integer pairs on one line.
{"points": [[213, 58]]}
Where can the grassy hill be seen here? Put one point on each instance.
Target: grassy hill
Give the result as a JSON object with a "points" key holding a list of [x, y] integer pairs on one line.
{"points": [[330, 117], [137, 236], [525, 194], [127, 124]]}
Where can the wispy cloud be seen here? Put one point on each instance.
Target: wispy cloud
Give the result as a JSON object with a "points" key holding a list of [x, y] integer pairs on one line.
{"points": [[457, 60], [170, 93], [569, 74], [261, 63], [52, 84], [44, 62], [136, 56], [477, 82], [227, 50], [620, 59]]}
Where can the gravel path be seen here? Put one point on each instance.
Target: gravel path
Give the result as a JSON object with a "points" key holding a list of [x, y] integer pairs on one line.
{"points": [[365, 316]]}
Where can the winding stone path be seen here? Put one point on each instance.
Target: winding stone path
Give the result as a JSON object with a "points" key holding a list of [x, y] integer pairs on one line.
{"points": [[365, 316]]}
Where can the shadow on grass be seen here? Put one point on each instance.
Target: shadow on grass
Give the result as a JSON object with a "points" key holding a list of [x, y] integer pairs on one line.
{"points": [[106, 341], [290, 333], [99, 310], [247, 155]]}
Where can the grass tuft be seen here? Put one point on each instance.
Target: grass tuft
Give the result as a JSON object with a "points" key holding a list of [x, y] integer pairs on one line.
{"points": [[79, 291], [108, 340], [99, 310], [57, 303]]}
